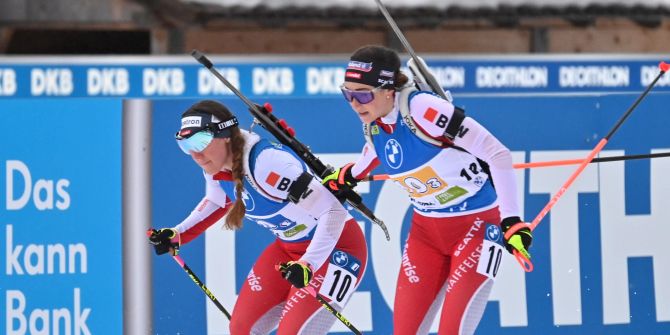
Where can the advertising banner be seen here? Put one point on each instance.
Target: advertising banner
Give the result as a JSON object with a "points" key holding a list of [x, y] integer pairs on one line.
{"points": [[60, 217], [291, 76], [600, 261], [601, 265]]}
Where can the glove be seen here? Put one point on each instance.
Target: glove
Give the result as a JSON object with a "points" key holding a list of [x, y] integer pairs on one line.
{"points": [[339, 178], [298, 273], [520, 240], [164, 240]]}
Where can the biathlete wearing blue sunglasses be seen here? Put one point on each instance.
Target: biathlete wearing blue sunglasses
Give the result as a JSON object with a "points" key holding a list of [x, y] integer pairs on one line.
{"points": [[198, 129], [456, 210], [250, 177]]}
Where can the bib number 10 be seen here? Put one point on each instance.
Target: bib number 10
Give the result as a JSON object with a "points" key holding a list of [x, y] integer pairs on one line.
{"points": [[490, 259], [338, 285]]}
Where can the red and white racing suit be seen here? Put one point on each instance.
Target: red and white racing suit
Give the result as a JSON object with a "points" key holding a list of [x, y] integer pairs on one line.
{"points": [[316, 229], [454, 245]]}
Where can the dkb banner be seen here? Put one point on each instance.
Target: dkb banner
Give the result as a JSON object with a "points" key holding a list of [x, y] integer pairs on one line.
{"points": [[60, 218], [601, 259]]}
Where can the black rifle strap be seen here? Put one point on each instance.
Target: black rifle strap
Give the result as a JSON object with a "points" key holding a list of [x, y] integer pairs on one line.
{"points": [[298, 187], [455, 123]]}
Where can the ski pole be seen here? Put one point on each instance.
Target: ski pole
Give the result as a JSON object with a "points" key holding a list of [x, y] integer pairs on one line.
{"points": [[525, 262], [332, 310], [196, 280], [200, 284], [556, 163]]}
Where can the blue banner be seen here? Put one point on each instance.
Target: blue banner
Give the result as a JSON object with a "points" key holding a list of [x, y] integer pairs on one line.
{"points": [[61, 216], [125, 76], [600, 262]]}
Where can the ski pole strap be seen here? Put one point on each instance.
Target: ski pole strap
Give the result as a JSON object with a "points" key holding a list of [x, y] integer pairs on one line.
{"points": [[525, 263]]}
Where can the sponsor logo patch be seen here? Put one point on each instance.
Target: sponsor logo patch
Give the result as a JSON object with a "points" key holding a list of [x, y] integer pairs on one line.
{"points": [[430, 114], [393, 152], [191, 121], [340, 258], [492, 233], [272, 179], [277, 181], [295, 230], [352, 75], [450, 194], [384, 73], [248, 201], [359, 66]]}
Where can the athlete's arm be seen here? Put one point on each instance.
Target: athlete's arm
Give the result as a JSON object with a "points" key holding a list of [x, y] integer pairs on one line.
{"points": [[481, 143], [214, 205], [275, 171], [432, 114], [365, 163]]}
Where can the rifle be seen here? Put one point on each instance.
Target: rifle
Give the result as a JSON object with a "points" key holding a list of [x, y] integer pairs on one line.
{"points": [[422, 77], [286, 135]]}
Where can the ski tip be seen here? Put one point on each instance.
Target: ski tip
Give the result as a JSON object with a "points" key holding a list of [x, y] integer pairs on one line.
{"points": [[664, 66]]}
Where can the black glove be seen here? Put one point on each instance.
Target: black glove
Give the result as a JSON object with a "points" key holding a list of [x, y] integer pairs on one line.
{"points": [[297, 273], [520, 240], [164, 240], [339, 178]]}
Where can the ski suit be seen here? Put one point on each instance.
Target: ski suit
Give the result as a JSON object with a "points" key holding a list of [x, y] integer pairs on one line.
{"points": [[454, 247], [316, 229]]}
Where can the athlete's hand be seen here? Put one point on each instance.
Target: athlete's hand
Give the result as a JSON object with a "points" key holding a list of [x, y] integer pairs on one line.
{"points": [[520, 240], [164, 240], [298, 273], [340, 177]]}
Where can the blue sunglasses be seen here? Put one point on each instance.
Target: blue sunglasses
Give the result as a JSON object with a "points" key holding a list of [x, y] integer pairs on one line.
{"points": [[197, 141], [363, 97]]}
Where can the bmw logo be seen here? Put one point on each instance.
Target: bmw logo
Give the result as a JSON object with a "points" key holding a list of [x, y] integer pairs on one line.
{"points": [[393, 153], [248, 201], [493, 232], [340, 258]]}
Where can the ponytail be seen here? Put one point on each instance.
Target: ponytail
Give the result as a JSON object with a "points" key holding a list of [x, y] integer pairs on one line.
{"points": [[236, 213]]}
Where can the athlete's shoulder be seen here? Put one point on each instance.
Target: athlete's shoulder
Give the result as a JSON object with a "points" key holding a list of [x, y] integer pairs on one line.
{"points": [[275, 169], [430, 112]]}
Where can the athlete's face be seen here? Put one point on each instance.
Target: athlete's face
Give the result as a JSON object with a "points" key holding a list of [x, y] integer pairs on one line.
{"points": [[215, 157], [381, 104]]}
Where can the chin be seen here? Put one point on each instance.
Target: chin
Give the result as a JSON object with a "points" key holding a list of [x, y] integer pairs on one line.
{"points": [[210, 169]]}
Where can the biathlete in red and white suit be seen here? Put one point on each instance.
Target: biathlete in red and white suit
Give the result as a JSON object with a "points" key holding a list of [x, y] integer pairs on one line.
{"points": [[317, 241], [455, 242]]}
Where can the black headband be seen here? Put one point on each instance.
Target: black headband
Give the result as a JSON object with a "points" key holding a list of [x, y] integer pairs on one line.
{"points": [[194, 122], [370, 73]]}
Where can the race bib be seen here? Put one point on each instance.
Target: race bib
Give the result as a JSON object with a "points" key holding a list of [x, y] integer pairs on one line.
{"points": [[341, 277], [422, 182], [492, 252]]}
